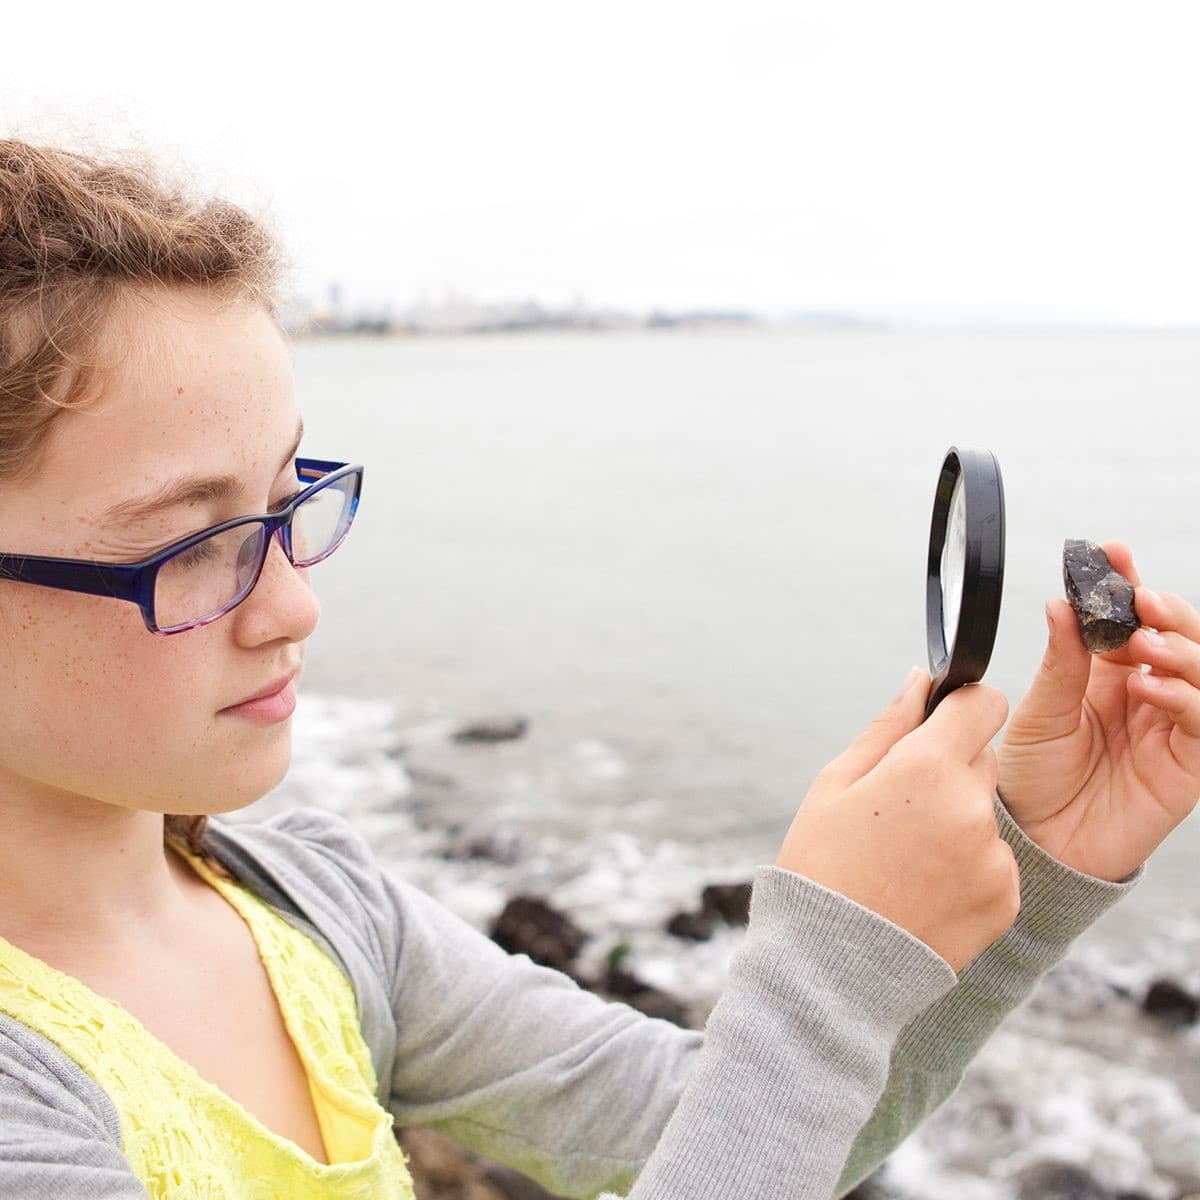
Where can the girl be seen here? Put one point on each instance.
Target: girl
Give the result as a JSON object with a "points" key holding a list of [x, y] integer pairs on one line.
{"points": [[193, 1008]]}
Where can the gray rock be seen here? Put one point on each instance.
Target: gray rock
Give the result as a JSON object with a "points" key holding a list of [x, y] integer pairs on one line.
{"points": [[1171, 1004], [695, 926], [729, 901], [654, 1002], [1101, 597], [528, 925], [1059, 1181], [492, 729]]}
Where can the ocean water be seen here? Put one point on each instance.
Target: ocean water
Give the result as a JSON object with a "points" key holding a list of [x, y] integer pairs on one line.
{"points": [[695, 563]]}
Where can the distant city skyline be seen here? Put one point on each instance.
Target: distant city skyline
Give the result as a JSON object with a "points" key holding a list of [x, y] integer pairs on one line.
{"points": [[930, 161], [459, 312]]}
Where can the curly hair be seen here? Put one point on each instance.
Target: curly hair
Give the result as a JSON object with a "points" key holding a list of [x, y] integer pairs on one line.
{"points": [[82, 240]]}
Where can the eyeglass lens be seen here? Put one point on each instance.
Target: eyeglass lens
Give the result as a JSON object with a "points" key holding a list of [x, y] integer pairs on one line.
{"points": [[209, 577]]}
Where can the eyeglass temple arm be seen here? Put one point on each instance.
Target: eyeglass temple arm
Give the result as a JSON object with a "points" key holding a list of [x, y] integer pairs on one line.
{"points": [[96, 579]]}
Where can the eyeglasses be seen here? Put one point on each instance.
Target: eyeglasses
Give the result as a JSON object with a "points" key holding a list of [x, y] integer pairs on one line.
{"points": [[201, 577]]}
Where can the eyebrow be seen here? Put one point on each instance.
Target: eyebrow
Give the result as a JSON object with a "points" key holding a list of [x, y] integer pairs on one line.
{"points": [[191, 489]]}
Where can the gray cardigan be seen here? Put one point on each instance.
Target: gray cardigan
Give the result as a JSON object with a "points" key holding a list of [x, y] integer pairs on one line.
{"points": [[837, 1032]]}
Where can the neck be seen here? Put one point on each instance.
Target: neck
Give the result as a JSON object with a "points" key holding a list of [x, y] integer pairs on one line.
{"points": [[76, 873]]}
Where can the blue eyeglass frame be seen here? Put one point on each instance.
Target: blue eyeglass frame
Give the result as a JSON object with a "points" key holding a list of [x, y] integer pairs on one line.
{"points": [[135, 581]]}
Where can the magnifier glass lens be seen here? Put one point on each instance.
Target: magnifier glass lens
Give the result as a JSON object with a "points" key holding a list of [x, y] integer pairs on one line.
{"points": [[954, 559]]}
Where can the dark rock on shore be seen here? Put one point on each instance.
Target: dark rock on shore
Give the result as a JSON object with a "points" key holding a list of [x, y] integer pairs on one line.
{"points": [[443, 1170], [528, 925], [1171, 1004], [1064, 1181], [492, 729], [695, 926], [728, 902], [497, 847], [623, 986]]}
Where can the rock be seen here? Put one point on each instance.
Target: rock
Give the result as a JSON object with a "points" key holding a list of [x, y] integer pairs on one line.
{"points": [[501, 848], [442, 1170], [695, 926], [1101, 597], [652, 1001], [515, 1186], [1059, 1181], [729, 901], [869, 1189], [492, 729], [427, 778], [528, 925], [1171, 1004]]}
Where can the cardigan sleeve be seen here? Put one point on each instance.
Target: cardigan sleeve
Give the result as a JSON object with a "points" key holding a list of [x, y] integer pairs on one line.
{"points": [[60, 1137]]}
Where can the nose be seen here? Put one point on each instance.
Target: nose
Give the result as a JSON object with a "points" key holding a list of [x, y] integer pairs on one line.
{"points": [[282, 603]]}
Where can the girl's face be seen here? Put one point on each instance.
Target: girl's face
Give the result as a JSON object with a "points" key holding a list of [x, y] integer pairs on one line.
{"points": [[94, 707]]}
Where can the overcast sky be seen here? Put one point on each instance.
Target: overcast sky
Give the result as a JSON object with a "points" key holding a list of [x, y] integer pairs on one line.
{"points": [[957, 158]]}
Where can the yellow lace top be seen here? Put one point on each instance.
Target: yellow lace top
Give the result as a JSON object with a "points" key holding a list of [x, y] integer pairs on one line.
{"points": [[184, 1137]]}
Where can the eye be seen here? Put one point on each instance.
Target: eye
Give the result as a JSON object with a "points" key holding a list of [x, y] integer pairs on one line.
{"points": [[280, 505]]}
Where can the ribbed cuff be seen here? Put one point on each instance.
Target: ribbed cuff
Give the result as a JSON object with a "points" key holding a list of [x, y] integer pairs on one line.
{"points": [[815, 931], [1057, 904]]}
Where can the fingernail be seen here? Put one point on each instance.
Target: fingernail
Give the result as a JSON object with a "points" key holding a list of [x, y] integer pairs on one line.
{"points": [[909, 680], [1153, 637], [1153, 597], [1152, 681], [1049, 622]]}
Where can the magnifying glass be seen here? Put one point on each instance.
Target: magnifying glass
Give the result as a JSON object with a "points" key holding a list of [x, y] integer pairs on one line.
{"points": [[965, 570]]}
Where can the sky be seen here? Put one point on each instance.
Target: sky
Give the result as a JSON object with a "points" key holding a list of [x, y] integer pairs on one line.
{"points": [[945, 160]]}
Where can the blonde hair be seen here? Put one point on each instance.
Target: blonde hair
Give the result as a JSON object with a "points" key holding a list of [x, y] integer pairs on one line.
{"points": [[81, 239]]}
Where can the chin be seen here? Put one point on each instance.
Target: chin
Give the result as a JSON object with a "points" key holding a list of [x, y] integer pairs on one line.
{"points": [[256, 775]]}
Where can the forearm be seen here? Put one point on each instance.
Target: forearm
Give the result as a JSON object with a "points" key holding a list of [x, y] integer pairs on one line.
{"points": [[932, 1052]]}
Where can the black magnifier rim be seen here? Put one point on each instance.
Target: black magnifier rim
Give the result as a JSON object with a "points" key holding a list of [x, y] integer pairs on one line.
{"points": [[983, 572]]}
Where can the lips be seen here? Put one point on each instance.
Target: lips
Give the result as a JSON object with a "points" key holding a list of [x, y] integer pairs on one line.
{"points": [[271, 689]]}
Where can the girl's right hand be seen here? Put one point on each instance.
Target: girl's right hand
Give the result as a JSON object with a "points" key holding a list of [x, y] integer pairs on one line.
{"points": [[903, 822]]}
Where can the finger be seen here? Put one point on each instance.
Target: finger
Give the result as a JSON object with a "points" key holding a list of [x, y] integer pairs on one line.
{"points": [[1175, 697], [1121, 558], [986, 768], [965, 721], [904, 714], [1167, 654], [1165, 610], [1053, 701]]}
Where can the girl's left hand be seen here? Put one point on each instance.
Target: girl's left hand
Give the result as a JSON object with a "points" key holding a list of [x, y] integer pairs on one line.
{"points": [[1100, 762]]}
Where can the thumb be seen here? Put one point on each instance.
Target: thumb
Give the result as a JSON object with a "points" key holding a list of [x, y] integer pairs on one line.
{"points": [[1051, 706], [904, 714]]}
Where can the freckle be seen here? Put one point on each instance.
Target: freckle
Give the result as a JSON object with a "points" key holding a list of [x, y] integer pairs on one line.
{"points": [[877, 814], [908, 802], [179, 390]]}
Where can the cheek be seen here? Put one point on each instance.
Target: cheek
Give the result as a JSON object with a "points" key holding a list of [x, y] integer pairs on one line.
{"points": [[80, 671], [92, 703]]}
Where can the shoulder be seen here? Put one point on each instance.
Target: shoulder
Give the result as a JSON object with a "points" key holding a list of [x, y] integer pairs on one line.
{"points": [[36, 1074], [60, 1134], [300, 844]]}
